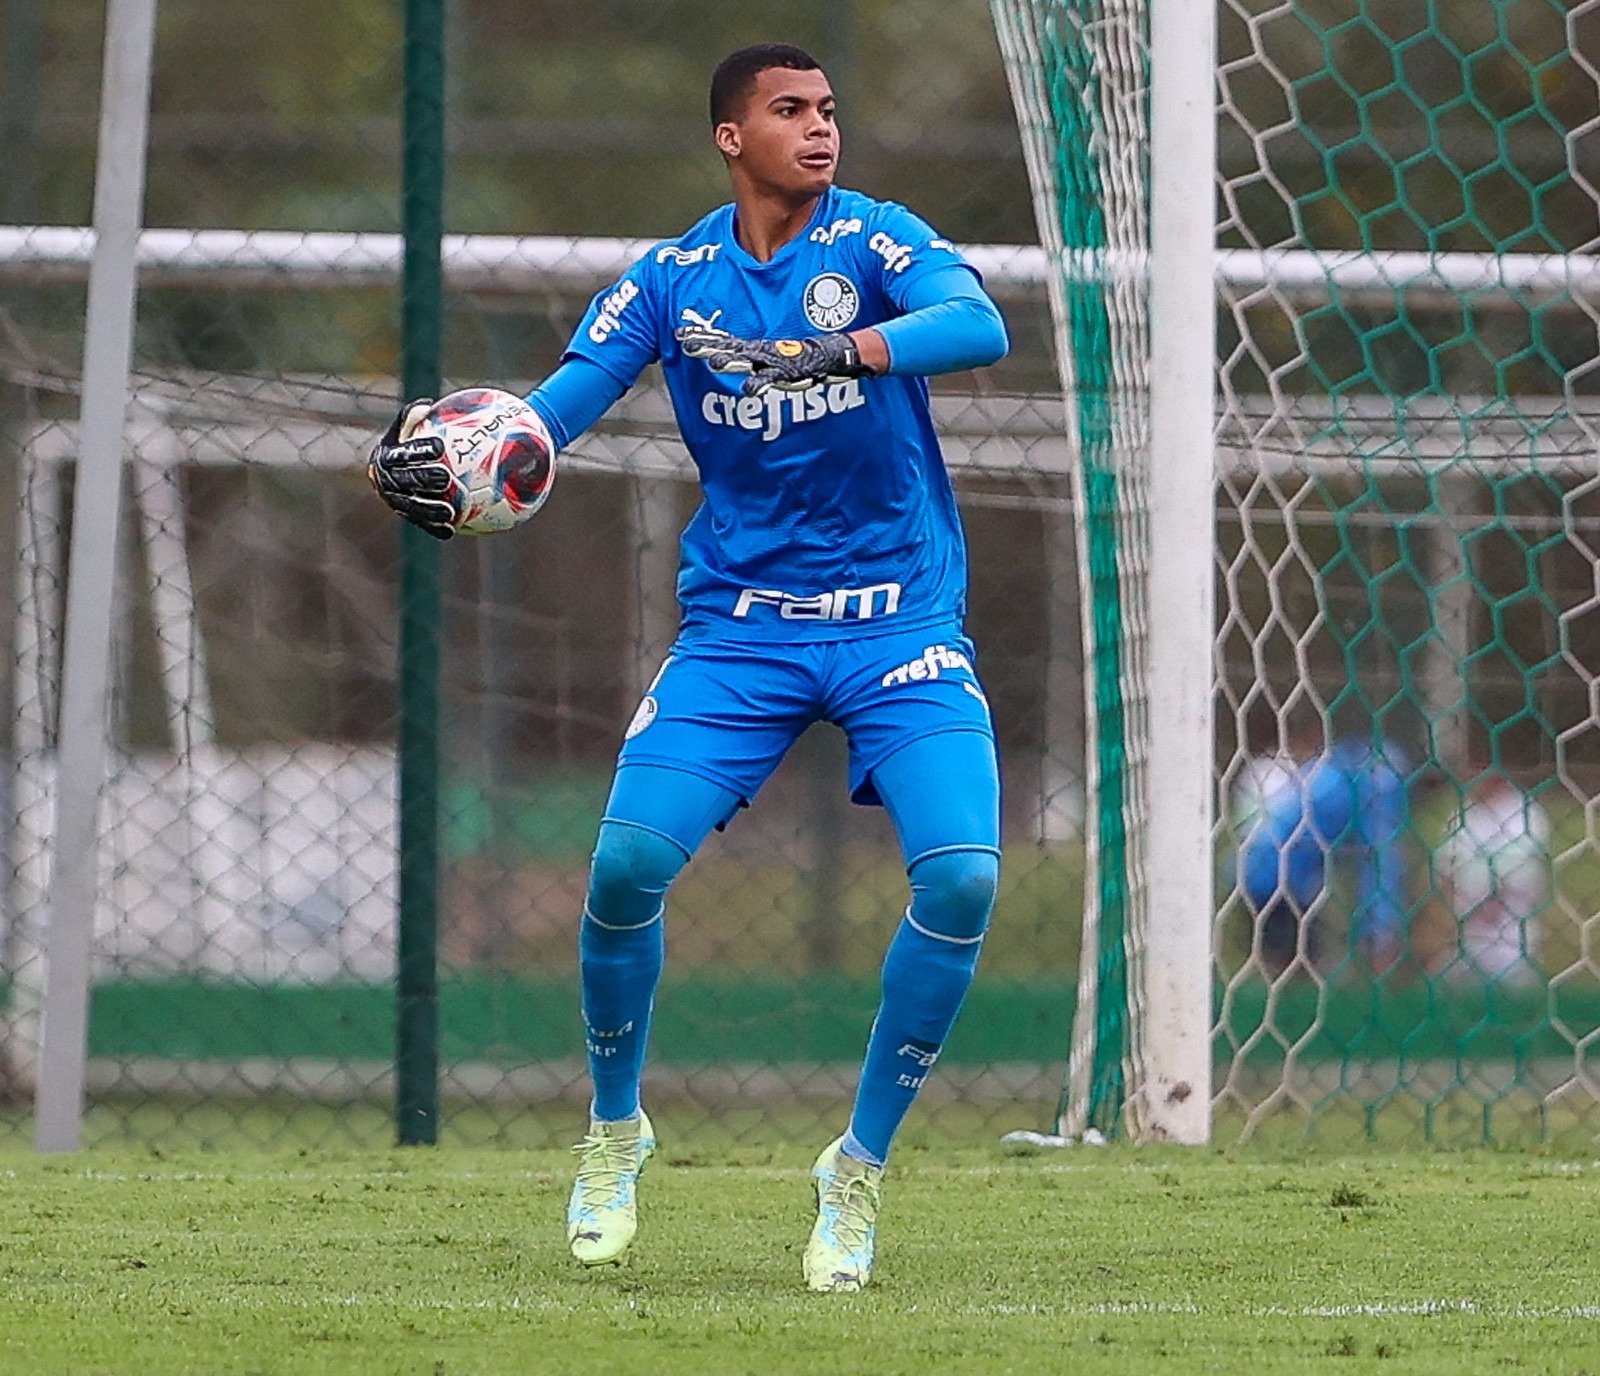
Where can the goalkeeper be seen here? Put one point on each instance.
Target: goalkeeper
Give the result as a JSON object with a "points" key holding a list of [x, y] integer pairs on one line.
{"points": [[822, 578]]}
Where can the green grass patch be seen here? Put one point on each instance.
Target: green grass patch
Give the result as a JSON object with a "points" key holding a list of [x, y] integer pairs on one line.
{"points": [[1146, 1263]]}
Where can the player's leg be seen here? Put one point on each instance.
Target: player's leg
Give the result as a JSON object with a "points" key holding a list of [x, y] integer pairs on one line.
{"points": [[654, 821], [708, 733], [943, 794]]}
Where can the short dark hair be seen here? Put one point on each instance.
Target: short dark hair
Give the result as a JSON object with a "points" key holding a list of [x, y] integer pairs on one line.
{"points": [[736, 74]]}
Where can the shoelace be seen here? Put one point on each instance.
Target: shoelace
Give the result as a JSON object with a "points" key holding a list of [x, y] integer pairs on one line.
{"points": [[854, 1199], [603, 1162]]}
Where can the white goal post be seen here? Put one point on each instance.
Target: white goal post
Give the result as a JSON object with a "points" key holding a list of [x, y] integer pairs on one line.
{"points": [[1175, 1079]]}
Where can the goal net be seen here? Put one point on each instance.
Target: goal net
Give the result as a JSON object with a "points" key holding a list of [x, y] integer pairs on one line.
{"points": [[1405, 501]]}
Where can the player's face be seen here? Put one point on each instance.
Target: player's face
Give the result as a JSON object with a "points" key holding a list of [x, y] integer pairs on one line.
{"points": [[786, 141]]}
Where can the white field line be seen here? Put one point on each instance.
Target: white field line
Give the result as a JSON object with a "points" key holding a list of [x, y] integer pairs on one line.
{"points": [[1522, 1313], [518, 1304], [1045, 1164]]}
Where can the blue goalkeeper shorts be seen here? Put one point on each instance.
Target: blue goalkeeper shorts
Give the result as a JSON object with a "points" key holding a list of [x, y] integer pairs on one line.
{"points": [[729, 712]]}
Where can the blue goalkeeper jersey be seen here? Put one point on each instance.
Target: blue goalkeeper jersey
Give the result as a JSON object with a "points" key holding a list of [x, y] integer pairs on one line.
{"points": [[828, 512]]}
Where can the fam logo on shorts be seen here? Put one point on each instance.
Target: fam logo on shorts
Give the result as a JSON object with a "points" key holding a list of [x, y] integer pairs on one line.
{"points": [[831, 301], [648, 707]]}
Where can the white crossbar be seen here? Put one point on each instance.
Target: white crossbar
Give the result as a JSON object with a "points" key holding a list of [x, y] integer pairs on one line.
{"points": [[509, 262]]}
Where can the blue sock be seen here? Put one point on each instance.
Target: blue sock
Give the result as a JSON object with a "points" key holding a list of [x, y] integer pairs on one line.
{"points": [[621, 949], [620, 967], [926, 974]]}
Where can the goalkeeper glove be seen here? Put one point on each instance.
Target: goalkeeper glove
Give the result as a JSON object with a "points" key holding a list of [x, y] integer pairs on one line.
{"points": [[791, 365], [410, 473]]}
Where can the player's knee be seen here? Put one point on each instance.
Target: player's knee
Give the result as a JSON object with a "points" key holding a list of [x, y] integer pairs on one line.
{"points": [[952, 893], [630, 873]]}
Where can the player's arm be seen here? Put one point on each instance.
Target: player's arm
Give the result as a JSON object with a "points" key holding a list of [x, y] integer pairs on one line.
{"points": [[574, 397], [949, 324], [409, 470], [791, 365]]}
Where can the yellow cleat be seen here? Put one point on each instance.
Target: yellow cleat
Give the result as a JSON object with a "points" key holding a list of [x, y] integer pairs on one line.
{"points": [[839, 1254], [603, 1213]]}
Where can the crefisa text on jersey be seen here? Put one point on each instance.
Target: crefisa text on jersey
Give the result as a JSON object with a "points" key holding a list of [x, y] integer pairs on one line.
{"points": [[772, 410], [611, 309]]}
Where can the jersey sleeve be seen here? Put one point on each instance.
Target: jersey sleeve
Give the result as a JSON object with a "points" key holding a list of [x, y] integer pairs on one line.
{"points": [[574, 397], [950, 323], [619, 332], [903, 248]]}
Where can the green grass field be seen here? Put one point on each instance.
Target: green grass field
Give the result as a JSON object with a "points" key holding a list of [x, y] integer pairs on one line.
{"points": [[451, 1263]]}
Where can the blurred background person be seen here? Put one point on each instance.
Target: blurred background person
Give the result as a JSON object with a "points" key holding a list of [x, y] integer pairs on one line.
{"points": [[1494, 863], [1344, 804]]}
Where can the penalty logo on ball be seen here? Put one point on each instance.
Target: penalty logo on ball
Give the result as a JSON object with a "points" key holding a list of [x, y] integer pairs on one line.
{"points": [[501, 456]]}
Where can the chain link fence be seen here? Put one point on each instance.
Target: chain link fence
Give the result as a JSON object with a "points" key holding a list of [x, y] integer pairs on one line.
{"points": [[245, 935]]}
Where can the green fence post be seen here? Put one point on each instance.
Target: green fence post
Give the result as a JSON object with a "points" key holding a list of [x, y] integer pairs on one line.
{"points": [[421, 312]]}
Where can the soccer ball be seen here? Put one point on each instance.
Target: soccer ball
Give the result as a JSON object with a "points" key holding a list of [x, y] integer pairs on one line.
{"points": [[500, 453]]}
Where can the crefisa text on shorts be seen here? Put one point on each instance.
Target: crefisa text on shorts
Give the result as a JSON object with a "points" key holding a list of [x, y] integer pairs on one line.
{"points": [[929, 664]]}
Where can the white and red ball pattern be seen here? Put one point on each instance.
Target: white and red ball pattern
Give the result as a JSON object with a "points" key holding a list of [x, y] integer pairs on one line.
{"points": [[501, 453]]}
